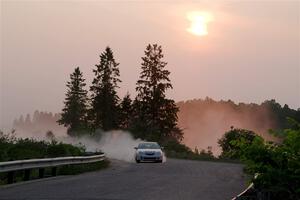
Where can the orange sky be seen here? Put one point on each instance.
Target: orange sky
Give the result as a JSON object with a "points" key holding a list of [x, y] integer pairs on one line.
{"points": [[250, 54]]}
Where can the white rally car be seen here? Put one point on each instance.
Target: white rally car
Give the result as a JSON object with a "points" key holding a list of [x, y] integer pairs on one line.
{"points": [[148, 151]]}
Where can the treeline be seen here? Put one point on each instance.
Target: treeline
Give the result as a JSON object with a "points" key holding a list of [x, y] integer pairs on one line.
{"points": [[150, 115], [204, 121], [38, 119], [38, 124], [269, 112]]}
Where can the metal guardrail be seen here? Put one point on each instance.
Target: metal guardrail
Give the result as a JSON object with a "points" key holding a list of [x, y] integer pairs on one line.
{"points": [[242, 193], [240, 196], [47, 162], [27, 165]]}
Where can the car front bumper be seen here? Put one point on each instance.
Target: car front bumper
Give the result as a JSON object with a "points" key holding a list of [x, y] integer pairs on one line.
{"points": [[149, 158]]}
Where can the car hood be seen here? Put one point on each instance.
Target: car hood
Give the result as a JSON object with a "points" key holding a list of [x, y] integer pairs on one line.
{"points": [[149, 150]]}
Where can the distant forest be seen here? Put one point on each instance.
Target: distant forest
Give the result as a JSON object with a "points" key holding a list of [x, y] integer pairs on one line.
{"points": [[38, 124], [268, 113], [203, 120]]}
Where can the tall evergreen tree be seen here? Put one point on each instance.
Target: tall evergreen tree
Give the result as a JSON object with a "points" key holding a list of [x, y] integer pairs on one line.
{"points": [[155, 115], [74, 113], [104, 111], [125, 112]]}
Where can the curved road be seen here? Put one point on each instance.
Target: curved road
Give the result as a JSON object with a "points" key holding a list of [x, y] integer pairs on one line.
{"points": [[173, 180]]}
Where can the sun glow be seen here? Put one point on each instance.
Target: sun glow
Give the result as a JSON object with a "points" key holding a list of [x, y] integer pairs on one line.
{"points": [[199, 22]]}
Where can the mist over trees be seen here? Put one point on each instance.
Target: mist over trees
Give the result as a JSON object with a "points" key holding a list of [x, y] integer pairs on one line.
{"points": [[154, 117], [38, 124], [204, 121], [150, 115]]}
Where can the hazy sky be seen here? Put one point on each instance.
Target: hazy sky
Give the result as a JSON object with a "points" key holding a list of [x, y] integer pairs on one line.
{"points": [[251, 52]]}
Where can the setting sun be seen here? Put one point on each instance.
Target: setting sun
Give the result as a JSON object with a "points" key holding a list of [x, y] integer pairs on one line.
{"points": [[199, 22]]}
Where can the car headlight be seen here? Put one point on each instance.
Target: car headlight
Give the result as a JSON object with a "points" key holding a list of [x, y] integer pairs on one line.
{"points": [[158, 153]]}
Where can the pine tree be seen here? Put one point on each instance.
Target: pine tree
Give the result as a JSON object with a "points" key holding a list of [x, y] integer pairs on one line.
{"points": [[74, 113], [36, 116], [155, 115], [27, 122], [21, 122], [125, 112], [104, 111]]}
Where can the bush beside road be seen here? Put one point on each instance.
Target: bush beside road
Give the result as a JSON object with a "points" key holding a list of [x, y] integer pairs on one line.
{"points": [[12, 148]]}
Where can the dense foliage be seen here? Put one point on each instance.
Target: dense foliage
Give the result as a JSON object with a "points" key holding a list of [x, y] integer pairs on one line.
{"points": [[12, 148], [278, 164]]}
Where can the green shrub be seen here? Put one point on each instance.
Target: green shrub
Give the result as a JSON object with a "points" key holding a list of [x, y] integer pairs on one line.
{"points": [[278, 165], [56, 149], [228, 142], [26, 149], [174, 149], [12, 148]]}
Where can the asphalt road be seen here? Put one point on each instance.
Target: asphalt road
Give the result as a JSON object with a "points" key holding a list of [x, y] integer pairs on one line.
{"points": [[173, 180]]}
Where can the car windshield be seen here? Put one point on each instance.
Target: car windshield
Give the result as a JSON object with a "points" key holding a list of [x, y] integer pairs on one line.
{"points": [[148, 146]]}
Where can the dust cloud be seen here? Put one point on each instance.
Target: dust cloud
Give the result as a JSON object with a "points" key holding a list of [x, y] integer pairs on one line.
{"points": [[203, 123], [206, 121], [115, 144]]}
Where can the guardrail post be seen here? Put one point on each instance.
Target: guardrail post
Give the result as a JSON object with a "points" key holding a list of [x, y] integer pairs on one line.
{"points": [[41, 172], [26, 174], [10, 177], [53, 171]]}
